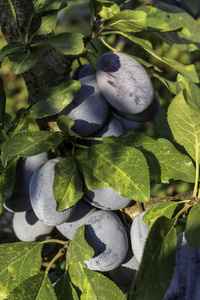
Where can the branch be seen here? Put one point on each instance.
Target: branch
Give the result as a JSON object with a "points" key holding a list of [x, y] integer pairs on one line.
{"points": [[134, 210]]}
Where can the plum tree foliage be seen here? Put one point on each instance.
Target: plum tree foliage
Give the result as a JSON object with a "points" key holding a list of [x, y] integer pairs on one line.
{"points": [[90, 158]]}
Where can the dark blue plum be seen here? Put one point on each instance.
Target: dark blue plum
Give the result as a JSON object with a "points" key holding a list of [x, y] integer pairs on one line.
{"points": [[89, 108], [124, 83], [28, 228], [19, 201], [105, 198], [105, 233], [81, 212], [83, 71], [42, 198]]}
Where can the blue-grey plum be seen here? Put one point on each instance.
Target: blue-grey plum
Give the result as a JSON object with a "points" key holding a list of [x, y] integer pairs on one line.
{"points": [[83, 71], [186, 278], [81, 212], [138, 233], [130, 125], [105, 233], [106, 198], [28, 228], [112, 127], [124, 82], [125, 273], [42, 198], [148, 114], [89, 108], [19, 201]]}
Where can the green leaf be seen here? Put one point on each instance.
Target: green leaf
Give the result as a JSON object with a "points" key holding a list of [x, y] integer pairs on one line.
{"points": [[193, 226], [163, 17], [48, 20], [55, 100], [7, 181], [124, 168], [2, 104], [185, 125], [65, 287], [188, 71], [79, 250], [105, 9], [21, 62], [67, 43], [29, 144], [127, 21], [18, 262], [93, 285], [86, 167], [65, 125], [11, 48], [173, 164], [158, 261], [191, 91], [40, 5], [67, 183], [165, 209], [36, 287]]}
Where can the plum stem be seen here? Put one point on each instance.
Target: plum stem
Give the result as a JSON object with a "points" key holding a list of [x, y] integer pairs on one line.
{"points": [[107, 45], [54, 241], [58, 255]]}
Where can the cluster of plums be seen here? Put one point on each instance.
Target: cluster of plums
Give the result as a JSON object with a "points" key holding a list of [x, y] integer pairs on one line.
{"points": [[121, 86]]}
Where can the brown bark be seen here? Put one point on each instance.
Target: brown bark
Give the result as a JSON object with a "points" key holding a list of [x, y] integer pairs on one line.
{"points": [[52, 67]]}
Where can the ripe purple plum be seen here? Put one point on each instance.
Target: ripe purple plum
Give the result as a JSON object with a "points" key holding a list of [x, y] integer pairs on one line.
{"points": [[106, 198], [112, 127], [28, 228], [19, 201], [81, 212], [148, 114], [42, 198], [105, 233], [124, 83], [83, 71], [89, 109], [138, 234], [125, 273]]}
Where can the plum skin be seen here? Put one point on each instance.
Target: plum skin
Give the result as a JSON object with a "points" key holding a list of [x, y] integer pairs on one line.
{"points": [[28, 228], [81, 212], [42, 198], [106, 198], [19, 201], [124, 82], [89, 109], [105, 233]]}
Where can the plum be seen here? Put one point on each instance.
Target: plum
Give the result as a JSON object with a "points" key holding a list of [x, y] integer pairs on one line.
{"points": [[124, 82], [105, 198], [105, 233], [28, 228], [125, 273], [83, 71], [42, 198], [112, 127], [89, 108], [19, 201], [185, 281], [148, 114], [138, 233], [130, 125], [81, 212]]}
